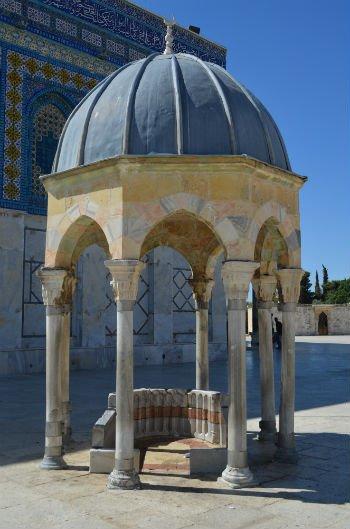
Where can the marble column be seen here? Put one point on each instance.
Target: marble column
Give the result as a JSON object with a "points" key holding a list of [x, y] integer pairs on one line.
{"points": [[125, 277], [265, 288], [65, 371], [52, 289], [202, 292], [289, 280], [236, 277], [67, 297]]}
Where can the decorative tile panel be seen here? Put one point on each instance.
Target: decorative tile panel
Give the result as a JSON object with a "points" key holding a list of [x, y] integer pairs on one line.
{"points": [[138, 26], [66, 27], [92, 38], [39, 16], [47, 126], [12, 6], [115, 47], [22, 70]]}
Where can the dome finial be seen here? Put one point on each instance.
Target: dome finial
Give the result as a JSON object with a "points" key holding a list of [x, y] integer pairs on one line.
{"points": [[169, 38]]}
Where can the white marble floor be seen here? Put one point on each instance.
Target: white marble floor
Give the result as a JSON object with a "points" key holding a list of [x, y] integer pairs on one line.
{"points": [[313, 495]]}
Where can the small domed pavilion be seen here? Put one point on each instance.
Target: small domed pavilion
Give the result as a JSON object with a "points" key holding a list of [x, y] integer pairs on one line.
{"points": [[170, 150]]}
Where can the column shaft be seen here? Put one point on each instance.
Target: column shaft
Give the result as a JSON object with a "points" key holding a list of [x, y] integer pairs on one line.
{"points": [[65, 372], [236, 277], [286, 441], [237, 416], [125, 278], [53, 430], [267, 384], [289, 279], [202, 355], [202, 289], [124, 432]]}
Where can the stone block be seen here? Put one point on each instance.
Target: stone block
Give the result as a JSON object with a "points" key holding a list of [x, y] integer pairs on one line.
{"points": [[207, 460], [103, 431], [102, 460]]}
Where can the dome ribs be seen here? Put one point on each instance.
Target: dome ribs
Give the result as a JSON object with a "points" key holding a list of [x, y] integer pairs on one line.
{"points": [[178, 103], [81, 154], [215, 81], [131, 101], [267, 134], [74, 111], [257, 109], [169, 104]]}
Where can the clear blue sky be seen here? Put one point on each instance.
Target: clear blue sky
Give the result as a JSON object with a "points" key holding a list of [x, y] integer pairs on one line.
{"points": [[294, 55]]}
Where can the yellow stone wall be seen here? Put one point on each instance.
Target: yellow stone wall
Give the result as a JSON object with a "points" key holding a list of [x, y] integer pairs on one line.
{"points": [[218, 203]]}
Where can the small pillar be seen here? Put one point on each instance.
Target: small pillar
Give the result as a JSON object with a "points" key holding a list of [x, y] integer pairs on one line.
{"points": [[52, 289], [236, 277], [289, 280], [125, 278], [264, 288], [202, 290]]}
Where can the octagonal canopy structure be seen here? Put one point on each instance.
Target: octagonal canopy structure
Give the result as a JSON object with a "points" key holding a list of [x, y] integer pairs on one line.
{"points": [[173, 151]]}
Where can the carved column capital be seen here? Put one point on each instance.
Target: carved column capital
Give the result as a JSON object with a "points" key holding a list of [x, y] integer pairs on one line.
{"points": [[125, 278], [236, 276], [52, 280], [58, 285], [264, 287], [202, 289], [69, 284], [289, 279]]}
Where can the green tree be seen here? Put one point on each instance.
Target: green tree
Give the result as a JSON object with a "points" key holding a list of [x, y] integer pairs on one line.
{"points": [[338, 291], [318, 291], [306, 295], [324, 281], [325, 275]]}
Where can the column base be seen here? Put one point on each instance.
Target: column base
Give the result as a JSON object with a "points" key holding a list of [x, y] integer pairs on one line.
{"points": [[238, 478], [119, 479], [53, 463], [268, 432], [286, 455]]}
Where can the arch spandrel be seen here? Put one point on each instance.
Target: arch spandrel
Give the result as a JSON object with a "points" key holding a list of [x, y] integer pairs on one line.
{"points": [[140, 219]]}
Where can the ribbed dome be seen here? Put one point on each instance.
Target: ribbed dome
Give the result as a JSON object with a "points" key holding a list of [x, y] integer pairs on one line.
{"points": [[169, 104]]}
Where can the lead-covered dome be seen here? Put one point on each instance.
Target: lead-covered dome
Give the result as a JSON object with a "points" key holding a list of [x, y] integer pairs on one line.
{"points": [[169, 104]]}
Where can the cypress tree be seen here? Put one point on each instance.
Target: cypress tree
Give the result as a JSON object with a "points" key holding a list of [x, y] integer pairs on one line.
{"points": [[325, 282], [325, 275], [318, 291], [306, 296]]}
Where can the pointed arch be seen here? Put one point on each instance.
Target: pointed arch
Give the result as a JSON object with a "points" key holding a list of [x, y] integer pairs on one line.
{"points": [[81, 233], [187, 234], [275, 229]]}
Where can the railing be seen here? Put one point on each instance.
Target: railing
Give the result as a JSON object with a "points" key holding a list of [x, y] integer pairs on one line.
{"points": [[176, 413]]}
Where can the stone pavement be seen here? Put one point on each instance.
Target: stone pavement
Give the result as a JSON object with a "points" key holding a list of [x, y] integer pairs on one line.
{"points": [[314, 494]]}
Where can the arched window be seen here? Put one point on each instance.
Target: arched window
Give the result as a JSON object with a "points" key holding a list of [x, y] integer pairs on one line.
{"points": [[48, 118]]}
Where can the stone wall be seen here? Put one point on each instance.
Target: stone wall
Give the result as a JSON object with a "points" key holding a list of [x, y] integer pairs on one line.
{"points": [[164, 317], [307, 323]]}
